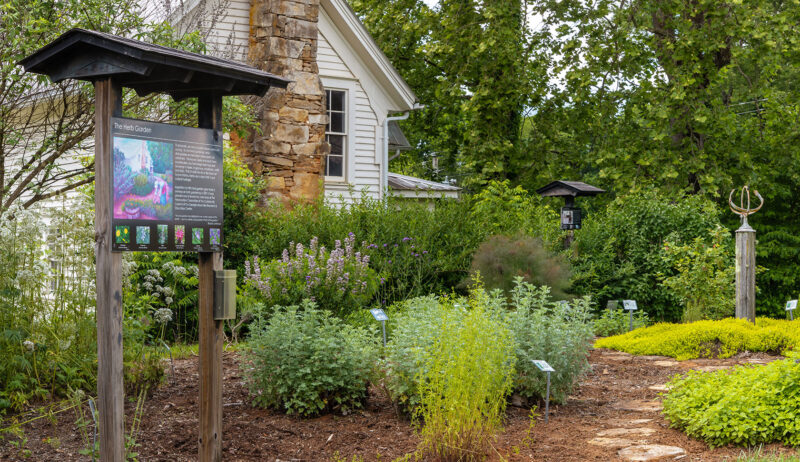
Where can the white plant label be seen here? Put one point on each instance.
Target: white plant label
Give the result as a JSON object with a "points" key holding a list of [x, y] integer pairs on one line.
{"points": [[542, 365], [629, 305], [791, 305], [378, 314]]}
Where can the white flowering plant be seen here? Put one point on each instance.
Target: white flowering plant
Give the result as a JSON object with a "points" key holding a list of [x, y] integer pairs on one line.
{"points": [[161, 295], [338, 280]]}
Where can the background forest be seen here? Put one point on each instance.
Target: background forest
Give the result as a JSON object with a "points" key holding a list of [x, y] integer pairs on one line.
{"points": [[685, 98]]}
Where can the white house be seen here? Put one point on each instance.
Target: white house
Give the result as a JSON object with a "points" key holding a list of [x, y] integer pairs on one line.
{"points": [[317, 42]]}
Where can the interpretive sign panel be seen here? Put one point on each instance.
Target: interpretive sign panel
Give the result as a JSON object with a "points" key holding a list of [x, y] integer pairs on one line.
{"points": [[629, 305], [167, 187], [791, 305]]}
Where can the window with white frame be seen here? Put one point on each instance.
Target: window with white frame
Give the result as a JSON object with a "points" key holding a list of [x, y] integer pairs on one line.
{"points": [[336, 132]]}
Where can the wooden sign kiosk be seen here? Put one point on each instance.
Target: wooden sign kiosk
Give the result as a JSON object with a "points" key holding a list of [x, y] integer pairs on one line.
{"points": [[112, 63]]}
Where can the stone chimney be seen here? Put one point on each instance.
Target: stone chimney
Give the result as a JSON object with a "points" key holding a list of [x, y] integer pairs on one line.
{"points": [[291, 149]]}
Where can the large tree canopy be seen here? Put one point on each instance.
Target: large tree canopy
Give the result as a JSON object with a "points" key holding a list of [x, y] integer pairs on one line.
{"points": [[682, 96]]}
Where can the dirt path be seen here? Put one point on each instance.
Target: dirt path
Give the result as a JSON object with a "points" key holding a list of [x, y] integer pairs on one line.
{"points": [[610, 417]]}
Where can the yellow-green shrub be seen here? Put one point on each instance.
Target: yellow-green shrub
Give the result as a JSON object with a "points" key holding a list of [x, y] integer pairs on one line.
{"points": [[747, 405], [465, 378], [720, 339]]}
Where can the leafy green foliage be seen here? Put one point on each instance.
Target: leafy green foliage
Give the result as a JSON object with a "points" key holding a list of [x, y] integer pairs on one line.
{"points": [[500, 209], [500, 260], [465, 378], [724, 407], [620, 251], [162, 281], [304, 361], [704, 282], [556, 332], [615, 322], [708, 339], [468, 63]]}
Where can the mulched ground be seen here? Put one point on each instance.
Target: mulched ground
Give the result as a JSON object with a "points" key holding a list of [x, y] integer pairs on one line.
{"points": [[169, 427]]}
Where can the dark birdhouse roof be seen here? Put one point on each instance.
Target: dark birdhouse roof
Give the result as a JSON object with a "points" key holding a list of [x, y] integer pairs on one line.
{"points": [[88, 55], [569, 188]]}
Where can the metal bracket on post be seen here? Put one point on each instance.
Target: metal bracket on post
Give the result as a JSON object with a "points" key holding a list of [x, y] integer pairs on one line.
{"points": [[224, 294]]}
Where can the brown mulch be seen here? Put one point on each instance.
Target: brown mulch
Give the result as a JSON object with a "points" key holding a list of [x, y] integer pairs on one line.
{"points": [[169, 426]]}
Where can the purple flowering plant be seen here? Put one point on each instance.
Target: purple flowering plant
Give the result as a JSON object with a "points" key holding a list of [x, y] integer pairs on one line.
{"points": [[339, 280]]}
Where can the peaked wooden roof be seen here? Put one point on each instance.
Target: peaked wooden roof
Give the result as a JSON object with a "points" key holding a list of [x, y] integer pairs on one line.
{"points": [[147, 68], [569, 188]]}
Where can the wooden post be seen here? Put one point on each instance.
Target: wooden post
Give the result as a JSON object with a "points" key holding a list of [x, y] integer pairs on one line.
{"points": [[746, 272], [210, 438], [108, 103]]}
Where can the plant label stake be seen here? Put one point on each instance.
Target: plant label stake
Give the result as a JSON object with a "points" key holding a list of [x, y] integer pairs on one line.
{"points": [[612, 305], [379, 315], [546, 368], [630, 306], [745, 256], [791, 305]]}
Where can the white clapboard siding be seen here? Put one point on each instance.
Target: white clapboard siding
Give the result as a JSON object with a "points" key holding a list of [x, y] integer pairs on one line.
{"points": [[225, 23], [364, 179]]}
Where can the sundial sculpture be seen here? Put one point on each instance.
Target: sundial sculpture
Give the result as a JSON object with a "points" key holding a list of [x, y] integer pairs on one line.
{"points": [[745, 255]]}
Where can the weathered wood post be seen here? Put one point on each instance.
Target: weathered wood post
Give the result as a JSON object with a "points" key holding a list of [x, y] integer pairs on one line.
{"points": [[209, 112], [108, 103], [745, 257]]}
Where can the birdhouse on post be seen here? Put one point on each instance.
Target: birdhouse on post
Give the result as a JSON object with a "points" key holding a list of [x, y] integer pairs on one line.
{"points": [[571, 216]]}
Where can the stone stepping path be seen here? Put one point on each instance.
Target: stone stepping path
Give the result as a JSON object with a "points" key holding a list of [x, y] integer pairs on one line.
{"points": [[651, 452], [638, 405]]}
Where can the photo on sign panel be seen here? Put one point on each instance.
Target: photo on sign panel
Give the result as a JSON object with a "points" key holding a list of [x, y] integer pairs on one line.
{"points": [[143, 183]]}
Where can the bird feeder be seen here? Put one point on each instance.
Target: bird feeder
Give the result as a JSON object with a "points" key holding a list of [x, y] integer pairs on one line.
{"points": [[571, 216]]}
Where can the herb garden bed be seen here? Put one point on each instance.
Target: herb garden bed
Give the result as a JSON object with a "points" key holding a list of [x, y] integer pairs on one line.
{"points": [[601, 411]]}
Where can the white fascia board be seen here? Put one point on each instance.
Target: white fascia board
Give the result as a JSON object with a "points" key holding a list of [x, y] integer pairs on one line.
{"points": [[400, 95]]}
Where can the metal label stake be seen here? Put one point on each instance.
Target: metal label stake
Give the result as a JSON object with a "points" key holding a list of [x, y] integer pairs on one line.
{"points": [[630, 306], [546, 368], [791, 305]]}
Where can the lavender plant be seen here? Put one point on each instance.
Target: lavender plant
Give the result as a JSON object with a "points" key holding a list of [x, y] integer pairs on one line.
{"points": [[338, 280]]}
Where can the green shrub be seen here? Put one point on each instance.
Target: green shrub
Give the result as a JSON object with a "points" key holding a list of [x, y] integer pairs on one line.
{"points": [[615, 322], [540, 328], [619, 253], [142, 185], [704, 282], [414, 330], [720, 339], [747, 405], [500, 260], [339, 280], [304, 361], [500, 209], [558, 333], [467, 374]]}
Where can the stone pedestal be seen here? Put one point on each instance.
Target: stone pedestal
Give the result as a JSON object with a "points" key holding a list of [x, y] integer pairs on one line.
{"points": [[290, 150]]}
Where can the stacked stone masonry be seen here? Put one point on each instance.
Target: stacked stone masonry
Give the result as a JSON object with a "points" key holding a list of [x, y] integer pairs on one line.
{"points": [[291, 149]]}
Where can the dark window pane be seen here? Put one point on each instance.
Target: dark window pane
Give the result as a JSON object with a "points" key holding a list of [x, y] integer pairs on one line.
{"points": [[336, 100], [337, 144], [335, 166], [336, 123]]}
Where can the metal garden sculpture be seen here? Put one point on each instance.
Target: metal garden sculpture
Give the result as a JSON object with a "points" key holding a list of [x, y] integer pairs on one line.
{"points": [[745, 255]]}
